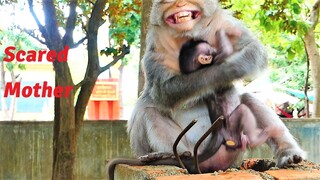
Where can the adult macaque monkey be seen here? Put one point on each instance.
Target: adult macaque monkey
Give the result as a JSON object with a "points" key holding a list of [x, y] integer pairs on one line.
{"points": [[171, 100]]}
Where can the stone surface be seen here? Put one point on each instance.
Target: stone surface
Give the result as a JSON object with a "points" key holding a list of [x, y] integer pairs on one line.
{"points": [[241, 175], [305, 170]]}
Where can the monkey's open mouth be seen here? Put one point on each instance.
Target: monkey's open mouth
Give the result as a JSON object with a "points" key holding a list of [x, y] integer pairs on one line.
{"points": [[183, 16]]}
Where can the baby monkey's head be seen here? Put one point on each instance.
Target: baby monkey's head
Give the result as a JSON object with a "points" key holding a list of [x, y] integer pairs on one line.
{"points": [[195, 54]]}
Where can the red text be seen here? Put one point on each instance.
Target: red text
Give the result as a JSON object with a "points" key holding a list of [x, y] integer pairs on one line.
{"points": [[37, 90], [34, 56]]}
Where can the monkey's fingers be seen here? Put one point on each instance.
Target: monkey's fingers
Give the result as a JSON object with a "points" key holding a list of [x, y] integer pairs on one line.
{"points": [[221, 56], [295, 160]]}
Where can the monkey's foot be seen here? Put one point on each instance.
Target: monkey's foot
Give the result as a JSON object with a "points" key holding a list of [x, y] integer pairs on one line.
{"points": [[163, 155], [291, 157], [295, 159]]}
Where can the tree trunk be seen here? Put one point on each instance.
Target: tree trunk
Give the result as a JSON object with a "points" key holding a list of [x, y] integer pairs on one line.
{"points": [[314, 57], [64, 138], [69, 117], [4, 108], [64, 142], [93, 68], [313, 54], [12, 108], [146, 8]]}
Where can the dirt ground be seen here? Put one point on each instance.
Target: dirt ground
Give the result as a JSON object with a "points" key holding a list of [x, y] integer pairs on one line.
{"points": [[269, 164]]}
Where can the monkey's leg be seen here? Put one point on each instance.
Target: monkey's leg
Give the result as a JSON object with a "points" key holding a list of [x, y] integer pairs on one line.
{"points": [[285, 147], [242, 119], [151, 132]]}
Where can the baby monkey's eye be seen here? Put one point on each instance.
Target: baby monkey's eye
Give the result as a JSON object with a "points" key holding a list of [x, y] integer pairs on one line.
{"points": [[167, 1]]}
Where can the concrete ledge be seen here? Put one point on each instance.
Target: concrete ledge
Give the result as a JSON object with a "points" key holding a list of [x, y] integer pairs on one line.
{"points": [[126, 172], [284, 174], [303, 171], [219, 176]]}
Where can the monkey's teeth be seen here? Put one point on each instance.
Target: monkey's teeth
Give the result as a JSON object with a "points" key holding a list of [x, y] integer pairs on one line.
{"points": [[183, 16]]}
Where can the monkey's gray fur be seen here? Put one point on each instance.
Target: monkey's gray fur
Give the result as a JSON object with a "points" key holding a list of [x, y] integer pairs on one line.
{"points": [[171, 100]]}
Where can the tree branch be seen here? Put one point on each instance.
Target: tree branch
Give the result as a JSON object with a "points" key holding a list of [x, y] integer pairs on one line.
{"points": [[74, 45], [313, 56], [314, 17], [35, 17], [92, 70], [32, 34], [80, 84], [124, 51], [91, 2], [84, 27], [71, 23], [306, 87]]}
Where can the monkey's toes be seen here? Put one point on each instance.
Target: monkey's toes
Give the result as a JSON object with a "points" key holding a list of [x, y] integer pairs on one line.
{"points": [[291, 158], [294, 160], [297, 159]]}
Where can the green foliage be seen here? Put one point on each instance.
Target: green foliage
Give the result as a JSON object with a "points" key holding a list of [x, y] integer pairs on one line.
{"points": [[3, 2], [281, 25], [283, 16], [125, 19], [110, 51], [285, 21], [14, 37], [123, 15]]}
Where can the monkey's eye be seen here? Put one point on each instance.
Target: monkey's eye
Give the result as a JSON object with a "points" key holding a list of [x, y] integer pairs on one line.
{"points": [[167, 1]]}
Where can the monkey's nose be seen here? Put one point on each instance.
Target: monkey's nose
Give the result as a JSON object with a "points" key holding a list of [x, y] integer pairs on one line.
{"points": [[181, 3]]}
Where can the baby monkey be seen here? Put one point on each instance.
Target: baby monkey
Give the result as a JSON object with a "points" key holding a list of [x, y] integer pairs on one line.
{"points": [[240, 127], [196, 54]]}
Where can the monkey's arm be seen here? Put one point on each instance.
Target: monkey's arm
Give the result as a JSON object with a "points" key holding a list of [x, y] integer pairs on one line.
{"points": [[250, 58], [168, 88]]}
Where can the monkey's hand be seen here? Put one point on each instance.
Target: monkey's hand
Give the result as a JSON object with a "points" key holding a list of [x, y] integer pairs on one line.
{"points": [[163, 155], [226, 39], [222, 56]]}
